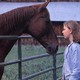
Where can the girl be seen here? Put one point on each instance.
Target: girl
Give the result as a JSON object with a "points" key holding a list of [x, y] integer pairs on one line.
{"points": [[71, 66]]}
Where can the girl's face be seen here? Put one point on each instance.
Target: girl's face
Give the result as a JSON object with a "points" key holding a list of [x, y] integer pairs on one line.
{"points": [[66, 32]]}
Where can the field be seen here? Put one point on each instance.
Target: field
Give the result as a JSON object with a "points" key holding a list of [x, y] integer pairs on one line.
{"points": [[32, 66]]}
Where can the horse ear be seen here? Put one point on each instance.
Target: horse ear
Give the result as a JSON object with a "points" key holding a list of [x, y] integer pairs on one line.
{"points": [[43, 6]]}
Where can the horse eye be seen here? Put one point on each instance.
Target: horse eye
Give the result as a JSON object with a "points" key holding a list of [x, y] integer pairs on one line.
{"points": [[48, 21]]}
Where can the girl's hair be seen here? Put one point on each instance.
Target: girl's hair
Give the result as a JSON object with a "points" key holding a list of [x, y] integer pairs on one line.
{"points": [[75, 27]]}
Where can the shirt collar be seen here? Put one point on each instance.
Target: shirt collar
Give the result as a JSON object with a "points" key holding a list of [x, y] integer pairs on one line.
{"points": [[70, 44]]}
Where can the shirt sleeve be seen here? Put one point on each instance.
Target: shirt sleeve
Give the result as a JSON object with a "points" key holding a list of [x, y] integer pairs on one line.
{"points": [[75, 72]]}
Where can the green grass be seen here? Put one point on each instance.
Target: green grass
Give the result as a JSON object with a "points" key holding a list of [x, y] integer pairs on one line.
{"points": [[32, 66]]}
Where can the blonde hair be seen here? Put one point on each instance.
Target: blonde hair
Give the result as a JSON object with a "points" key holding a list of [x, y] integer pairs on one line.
{"points": [[75, 27]]}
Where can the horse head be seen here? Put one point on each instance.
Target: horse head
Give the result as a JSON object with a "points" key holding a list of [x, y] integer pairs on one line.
{"points": [[40, 28]]}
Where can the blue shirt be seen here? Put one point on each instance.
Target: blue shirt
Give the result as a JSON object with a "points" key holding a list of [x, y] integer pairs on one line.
{"points": [[71, 66]]}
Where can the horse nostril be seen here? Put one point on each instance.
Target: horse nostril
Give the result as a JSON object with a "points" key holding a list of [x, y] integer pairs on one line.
{"points": [[52, 50], [49, 48]]}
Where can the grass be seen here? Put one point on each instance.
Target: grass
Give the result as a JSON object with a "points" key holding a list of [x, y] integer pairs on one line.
{"points": [[32, 66]]}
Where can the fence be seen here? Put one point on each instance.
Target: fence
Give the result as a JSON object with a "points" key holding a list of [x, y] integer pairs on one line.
{"points": [[20, 60]]}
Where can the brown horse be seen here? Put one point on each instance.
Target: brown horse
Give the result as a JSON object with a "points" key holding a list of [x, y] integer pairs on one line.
{"points": [[33, 20]]}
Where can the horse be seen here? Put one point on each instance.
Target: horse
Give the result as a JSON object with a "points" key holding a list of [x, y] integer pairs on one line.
{"points": [[33, 20]]}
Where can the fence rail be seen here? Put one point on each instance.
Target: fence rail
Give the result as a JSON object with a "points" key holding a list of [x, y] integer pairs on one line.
{"points": [[20, 60]]}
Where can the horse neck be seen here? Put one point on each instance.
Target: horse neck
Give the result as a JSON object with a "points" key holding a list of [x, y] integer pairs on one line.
{"points": [[13, 22]]}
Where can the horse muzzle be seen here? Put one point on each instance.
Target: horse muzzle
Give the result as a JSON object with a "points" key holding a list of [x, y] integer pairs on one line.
{"points": [[52, 50]]}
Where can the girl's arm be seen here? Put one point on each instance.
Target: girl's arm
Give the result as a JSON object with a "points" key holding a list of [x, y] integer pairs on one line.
{"points": [[75, 72]]}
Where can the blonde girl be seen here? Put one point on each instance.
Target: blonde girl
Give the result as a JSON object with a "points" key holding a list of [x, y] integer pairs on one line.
{"points": [[71, 65]]}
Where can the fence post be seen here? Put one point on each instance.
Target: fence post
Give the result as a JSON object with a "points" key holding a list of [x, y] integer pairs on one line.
{"points": [[54, 65], [20, 58]]}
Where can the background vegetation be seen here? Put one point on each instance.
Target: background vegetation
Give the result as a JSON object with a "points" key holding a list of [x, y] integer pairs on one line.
{"points": [[32, 66]]}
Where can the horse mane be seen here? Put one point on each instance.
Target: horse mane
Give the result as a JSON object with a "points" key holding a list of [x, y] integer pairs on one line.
{"points": [[16, 16]]}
